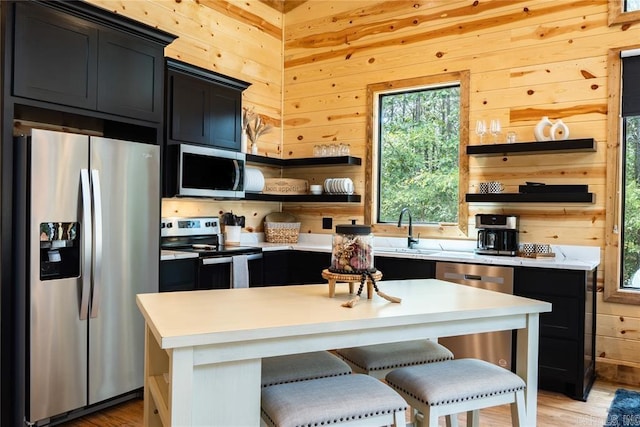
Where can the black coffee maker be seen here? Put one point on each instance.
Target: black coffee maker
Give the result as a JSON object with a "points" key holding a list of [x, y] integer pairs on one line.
{"points": [[497, 234]]}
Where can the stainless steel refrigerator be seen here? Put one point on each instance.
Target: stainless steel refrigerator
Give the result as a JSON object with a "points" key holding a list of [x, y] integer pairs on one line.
{"points": [[90, 221]]}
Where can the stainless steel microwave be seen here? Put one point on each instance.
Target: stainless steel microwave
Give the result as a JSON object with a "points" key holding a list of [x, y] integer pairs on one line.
{"points": [[209, 172]]}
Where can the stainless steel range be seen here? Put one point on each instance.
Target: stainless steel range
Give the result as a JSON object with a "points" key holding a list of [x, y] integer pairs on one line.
{"points": [[219, 266]]}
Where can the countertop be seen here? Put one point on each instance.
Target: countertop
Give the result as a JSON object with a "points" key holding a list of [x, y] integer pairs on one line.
{"points": [[567, 257], [181, 319]]}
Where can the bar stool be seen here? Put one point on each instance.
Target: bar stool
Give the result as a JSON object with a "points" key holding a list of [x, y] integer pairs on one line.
{"points": [[461, 385], [380, 359], [357, 400], [300, 367]]}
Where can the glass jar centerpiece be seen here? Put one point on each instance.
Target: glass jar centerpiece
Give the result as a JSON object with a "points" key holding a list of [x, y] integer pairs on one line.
{"points": [[352, 250]]}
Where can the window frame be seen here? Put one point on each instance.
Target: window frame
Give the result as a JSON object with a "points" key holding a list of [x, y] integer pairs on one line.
{"points": [[442, 230], [613, 292], [616, 16]]}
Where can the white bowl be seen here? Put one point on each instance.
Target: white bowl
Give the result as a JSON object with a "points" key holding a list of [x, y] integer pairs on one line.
{"points": [[315, 189]]}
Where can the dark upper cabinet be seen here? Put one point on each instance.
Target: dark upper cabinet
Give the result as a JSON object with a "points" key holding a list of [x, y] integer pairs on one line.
{"points": [[189, 109], [130, 76], [203, 107], [64, 53], [55, 57]]}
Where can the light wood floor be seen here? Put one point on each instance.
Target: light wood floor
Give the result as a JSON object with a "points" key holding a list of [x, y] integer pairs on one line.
{"points": [[553, 410]]}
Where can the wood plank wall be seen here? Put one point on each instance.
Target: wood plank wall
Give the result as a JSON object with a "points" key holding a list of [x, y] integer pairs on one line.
{"points": [[527, 58]]}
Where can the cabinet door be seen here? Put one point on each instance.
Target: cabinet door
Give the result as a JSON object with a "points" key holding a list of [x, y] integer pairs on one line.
{"points": [[226, 106], [130, 71], [306, 267], [189, 109], [55, 57], [403, 268], [276, 267]]}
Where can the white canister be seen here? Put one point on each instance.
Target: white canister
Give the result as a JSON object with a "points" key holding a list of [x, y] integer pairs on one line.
{"points": [[232, 235], [253, 180]]}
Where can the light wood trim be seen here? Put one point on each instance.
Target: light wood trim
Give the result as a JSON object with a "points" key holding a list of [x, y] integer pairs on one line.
{"points": [[613, 217], [451, 230], [617, 17]]}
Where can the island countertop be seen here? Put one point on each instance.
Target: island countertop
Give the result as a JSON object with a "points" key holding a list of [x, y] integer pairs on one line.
{"points": [[196, 318]]}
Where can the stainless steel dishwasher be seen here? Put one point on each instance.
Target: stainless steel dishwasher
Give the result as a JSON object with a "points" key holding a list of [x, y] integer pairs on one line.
{"points": [[494, 347]]}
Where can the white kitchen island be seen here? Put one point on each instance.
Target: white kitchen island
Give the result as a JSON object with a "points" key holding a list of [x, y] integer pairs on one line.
{"points": [[204, 348]]}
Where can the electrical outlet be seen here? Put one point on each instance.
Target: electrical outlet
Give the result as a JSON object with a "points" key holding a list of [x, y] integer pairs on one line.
{"points": [[327, 223]]}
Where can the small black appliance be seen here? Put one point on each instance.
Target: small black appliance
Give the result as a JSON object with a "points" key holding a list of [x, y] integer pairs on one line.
{"points": [[497, 234]]}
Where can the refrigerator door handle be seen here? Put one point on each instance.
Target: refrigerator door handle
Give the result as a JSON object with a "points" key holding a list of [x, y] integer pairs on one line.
{"points": [[86, 238], [97, 237]]}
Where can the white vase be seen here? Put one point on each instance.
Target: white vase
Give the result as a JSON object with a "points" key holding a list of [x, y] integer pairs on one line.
{"points": [[559, 131], [538, 132], [243, 141], [254, 148]]}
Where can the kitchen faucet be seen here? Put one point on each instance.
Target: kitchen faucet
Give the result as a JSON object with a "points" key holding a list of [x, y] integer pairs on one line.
{"points": [[410, 240]]}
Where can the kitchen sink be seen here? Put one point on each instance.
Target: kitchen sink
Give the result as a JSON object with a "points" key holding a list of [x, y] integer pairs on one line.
{"points": [[420, 251]]}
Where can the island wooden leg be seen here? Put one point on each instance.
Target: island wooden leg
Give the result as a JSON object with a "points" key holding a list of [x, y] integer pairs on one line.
{"points": [[351, 287], [527, 365]]}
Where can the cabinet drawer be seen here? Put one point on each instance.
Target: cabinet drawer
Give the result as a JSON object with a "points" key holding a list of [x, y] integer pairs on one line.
{"points": [[547, 281], [565, 320], [557, 359]]}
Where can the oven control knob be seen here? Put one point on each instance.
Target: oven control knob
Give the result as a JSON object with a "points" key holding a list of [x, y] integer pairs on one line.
{"points": [[162, 225], [207, 224], [169, 225]]}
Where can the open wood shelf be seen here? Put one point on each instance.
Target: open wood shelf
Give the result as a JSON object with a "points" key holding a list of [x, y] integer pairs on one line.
{"points": [[564, 146], [321, 198], [532, 197], [307, 161]]}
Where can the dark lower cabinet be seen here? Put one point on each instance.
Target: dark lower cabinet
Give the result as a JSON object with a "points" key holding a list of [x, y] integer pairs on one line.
{"points": [[66, 54], [567, 333], [290, 267], [393, 268]]}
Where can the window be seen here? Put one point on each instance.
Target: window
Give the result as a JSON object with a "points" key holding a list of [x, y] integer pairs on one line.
{"points": [[623, 11], [630, 144], [418, 137], [622, 250]]}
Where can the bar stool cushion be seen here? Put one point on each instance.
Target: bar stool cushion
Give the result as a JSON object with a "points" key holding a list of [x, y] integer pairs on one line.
{"points": [[379, 357], [300, 367], [454, 381], [329, 400]]}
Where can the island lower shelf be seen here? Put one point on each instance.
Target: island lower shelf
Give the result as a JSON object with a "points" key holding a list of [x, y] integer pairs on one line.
{"points": [[157, 383]]}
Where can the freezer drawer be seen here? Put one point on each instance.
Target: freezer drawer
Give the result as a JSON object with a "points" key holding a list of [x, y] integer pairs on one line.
{"points": [[494, 347]]}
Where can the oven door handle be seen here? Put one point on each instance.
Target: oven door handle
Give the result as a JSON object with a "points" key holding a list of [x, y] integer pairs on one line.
{"points": [[252, 257], [217, 260]]}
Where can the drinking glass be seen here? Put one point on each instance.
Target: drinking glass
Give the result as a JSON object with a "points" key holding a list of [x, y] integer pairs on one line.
{"points": [[495, 129], [481, 129]]}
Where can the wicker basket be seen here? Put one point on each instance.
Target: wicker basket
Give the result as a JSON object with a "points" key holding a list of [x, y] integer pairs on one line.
{"points": [[281, 232]]}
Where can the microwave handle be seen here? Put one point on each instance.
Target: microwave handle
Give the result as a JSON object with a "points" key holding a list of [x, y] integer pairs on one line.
{"points": [[238, 174]]}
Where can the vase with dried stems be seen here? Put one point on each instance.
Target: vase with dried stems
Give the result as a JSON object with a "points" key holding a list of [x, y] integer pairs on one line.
{"points": [[254, 126]]}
